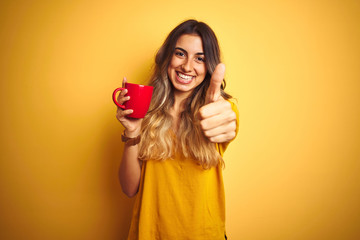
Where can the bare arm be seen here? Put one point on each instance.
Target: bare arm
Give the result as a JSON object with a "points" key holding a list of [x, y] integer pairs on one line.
{"points": [[130, 167]]}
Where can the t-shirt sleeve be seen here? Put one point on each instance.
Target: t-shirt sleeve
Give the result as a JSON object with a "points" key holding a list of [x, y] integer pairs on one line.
{"points": [[221, 147]]}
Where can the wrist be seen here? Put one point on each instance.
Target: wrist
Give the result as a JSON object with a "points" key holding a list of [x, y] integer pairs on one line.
{"points": [[130, 141], [131, 134]]}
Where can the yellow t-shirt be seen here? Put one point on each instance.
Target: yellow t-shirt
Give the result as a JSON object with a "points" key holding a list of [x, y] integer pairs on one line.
{"points": [[179, 200]]}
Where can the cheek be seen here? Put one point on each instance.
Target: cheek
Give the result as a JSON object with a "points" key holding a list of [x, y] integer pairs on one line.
{"points": [[202, 71], [171, 66], [175, 62]]}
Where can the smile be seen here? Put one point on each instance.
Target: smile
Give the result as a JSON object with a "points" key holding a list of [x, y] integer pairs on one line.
{"points": [[182, 78]]}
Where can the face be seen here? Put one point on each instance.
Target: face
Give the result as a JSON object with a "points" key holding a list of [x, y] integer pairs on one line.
{"points": [[187, 66]]}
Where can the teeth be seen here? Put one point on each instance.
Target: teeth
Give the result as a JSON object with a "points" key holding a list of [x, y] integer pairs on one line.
{"points": [[185, 77]]}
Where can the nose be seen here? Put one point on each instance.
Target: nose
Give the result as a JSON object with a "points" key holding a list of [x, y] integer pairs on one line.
{"points": [[187, 65]]}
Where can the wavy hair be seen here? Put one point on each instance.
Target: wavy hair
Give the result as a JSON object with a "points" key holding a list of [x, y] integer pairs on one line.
{"points": [[158, 141]]}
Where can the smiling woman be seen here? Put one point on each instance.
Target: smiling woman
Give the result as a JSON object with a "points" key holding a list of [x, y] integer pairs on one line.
{"points": [[176, 169], [187, 67]]}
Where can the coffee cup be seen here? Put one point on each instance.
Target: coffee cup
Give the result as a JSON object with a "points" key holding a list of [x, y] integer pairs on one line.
{"points": [[140, 98]]}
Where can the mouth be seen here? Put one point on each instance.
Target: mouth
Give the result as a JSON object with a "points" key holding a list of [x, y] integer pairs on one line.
{"points": [[183, 78]]}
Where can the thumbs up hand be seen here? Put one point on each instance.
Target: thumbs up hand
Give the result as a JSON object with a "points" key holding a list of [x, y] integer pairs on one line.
{"points": [[217, 119]]}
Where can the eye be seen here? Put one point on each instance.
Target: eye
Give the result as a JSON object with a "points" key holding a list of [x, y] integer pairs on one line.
{"points": [[179, 54], [200, 59]]}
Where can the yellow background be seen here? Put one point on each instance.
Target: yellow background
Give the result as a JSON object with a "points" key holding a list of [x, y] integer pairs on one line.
{"points": [[294, 67]]}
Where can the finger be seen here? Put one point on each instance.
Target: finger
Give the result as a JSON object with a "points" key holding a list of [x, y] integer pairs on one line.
{"points": [[214, 108], [123, 113], [213, 93], [122, 93], [121, 99], [218, 120], [124, 81], [223, 129], [225, 137]]}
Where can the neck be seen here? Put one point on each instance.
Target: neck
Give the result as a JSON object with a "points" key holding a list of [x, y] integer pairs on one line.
{"points": [[179, 100], [178, 107]]}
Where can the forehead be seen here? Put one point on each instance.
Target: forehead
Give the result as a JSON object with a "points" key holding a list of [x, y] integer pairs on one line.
{"points": [[190, 42]]}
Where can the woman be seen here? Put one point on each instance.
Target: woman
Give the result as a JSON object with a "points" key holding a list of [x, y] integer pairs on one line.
{"points": [[172, 158]]}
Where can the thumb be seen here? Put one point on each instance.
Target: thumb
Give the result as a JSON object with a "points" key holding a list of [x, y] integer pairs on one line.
{"points": [[213, 93], [124, 81]]}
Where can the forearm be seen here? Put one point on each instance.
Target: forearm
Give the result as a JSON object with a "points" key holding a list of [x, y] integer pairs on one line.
{"points": [[130, 170]]}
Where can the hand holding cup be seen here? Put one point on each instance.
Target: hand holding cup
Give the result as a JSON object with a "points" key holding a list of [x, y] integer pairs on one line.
{"points": [[133, 103]]}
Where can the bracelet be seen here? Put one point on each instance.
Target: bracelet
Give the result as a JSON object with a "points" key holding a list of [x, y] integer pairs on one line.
{"points": [[130, 141]]}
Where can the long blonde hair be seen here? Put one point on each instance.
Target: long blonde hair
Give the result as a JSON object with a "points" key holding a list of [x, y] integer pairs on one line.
{"points": [[158, 142]]}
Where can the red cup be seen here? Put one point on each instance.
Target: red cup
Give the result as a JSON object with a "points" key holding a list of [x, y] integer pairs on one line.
{"points": [[140, 98]]}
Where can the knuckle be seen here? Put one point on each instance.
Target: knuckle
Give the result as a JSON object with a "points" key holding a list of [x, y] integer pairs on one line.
{"points": [[231, 135], [203, 124], [226, 104], [233, 125], [232, 116], [202, 112], [207, 133], [212, 139]]}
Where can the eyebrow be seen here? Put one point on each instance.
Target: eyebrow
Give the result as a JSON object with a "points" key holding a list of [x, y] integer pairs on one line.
{"points": [[181, 49]]}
